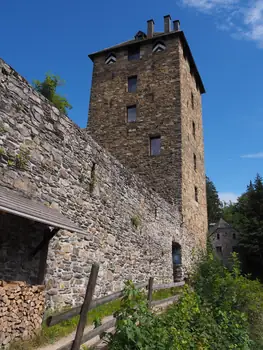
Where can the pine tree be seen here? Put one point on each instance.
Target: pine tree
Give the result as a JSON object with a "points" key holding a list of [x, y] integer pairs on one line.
{"points": [[250, 224], [214, 206]]}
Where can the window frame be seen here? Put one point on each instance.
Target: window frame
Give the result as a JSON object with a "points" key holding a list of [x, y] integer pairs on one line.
{"points": [[136, 81], [196, 194], [155, 137], [219, 249], [134, 53], [195, 162], [194, 129], [130, 107]]}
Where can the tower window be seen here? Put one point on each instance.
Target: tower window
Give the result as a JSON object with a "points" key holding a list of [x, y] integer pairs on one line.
{"points": [[111, 58], [134, 53], [218, 236], [193, 129], [132, 84], [234, 236], [194, 162], [196, 194], [219, 250], [158, 46], [155, 146], [192, 100], [131, 113]]}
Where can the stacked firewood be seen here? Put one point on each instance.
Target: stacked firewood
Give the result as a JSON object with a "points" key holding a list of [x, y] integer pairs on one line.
{"points": [[21, 311]]}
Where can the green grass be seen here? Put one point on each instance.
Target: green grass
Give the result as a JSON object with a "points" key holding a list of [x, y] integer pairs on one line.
{"points": [[49, 335]]}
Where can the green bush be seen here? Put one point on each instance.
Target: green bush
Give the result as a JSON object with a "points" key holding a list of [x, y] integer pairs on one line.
{"points": [[223, 311]]}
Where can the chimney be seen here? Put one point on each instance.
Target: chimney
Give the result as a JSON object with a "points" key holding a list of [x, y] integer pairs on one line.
{"points": [[150, 28], [167, 24], [176, 25]]}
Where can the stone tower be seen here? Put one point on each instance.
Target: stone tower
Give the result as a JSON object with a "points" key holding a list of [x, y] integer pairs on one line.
{"points": [[145, 108]]}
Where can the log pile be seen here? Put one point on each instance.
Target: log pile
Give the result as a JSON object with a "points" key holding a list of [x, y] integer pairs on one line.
{"points": [[21, 311]]}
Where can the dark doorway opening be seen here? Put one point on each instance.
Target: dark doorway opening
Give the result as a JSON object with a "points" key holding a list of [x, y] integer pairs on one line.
{"points": [[177, 262]]}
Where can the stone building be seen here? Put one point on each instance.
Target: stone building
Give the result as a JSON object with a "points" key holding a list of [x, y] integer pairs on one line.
{"points": [[224, 239], [145, 108], [133, 183]]}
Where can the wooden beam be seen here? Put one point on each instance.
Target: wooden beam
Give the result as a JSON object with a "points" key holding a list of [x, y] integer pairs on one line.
{"points": [[85, 307], [55, 319], [48, 236], [150, 292], [169, 285], [92, 334]]}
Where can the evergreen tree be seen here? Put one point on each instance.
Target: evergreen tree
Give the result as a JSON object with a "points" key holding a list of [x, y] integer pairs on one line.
{"points": [[48, 89], [214, 206], [249, 221]]}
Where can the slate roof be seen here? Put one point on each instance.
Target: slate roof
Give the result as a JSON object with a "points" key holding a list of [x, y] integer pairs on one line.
{"points": [[221, 224]]}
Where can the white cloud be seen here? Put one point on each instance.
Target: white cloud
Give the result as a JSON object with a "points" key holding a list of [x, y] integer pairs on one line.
{"points": [[228, 197], [253, 155], [243, 19]]}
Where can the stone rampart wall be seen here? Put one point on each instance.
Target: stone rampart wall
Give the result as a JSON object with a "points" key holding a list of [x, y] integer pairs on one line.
{"points": [[129, 227]]}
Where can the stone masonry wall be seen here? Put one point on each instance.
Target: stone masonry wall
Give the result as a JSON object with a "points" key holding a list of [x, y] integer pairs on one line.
{"points": [[194, 212], [157, 100], [164, 108], [129, 228]]}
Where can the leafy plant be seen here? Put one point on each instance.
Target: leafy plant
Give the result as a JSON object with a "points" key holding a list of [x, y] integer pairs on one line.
{"points": [[48, 88], [136, 221], [22, 158]]}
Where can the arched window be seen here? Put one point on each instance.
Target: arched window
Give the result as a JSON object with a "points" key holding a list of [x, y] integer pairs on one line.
{"points": [[176, 253], [111, 58], [158, 46]]}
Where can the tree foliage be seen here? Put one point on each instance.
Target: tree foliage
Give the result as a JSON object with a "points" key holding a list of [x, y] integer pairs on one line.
{"points": [[247, 217], [48, 88], [214, 206]]}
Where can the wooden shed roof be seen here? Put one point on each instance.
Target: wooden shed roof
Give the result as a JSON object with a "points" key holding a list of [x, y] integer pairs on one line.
{"points": [[16, 203]]}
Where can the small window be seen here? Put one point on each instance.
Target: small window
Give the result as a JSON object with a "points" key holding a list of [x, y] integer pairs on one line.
{"points": [[111, 58], [235, 249], [193, 127], [155, 146], [131, 113], [218, 236], [194, 162], [159, 46], [192, 100], [134, 53], [234, 236], [196, 194], [132, 84], [219, 250]]}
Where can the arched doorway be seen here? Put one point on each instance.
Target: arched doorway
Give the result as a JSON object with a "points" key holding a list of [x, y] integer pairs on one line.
{"points": [[177, 261]]}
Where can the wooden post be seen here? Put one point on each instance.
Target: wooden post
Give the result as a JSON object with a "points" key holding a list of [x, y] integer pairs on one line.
{"points": [[85, 307], [150, 292]]}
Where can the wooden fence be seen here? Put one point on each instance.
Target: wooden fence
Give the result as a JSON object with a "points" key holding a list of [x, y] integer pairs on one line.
{"points": [[90, 304]]}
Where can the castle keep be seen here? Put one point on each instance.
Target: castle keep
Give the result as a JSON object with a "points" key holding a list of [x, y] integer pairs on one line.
{"points": [[128, 192], [145, 108]]}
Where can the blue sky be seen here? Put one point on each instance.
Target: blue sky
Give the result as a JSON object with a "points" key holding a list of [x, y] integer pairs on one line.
{"points": [[226, 39]]}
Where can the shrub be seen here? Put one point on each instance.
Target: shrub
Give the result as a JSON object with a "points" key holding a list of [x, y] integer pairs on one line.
{"points": [[223, 311]]}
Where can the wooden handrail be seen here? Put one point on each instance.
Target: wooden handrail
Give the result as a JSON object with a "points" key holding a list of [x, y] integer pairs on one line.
{"points": [[55, 319]]}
